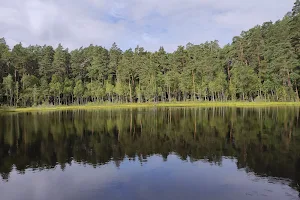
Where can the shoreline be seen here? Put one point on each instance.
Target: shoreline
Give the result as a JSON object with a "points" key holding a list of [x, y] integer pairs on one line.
{"points": [[151, 105]]}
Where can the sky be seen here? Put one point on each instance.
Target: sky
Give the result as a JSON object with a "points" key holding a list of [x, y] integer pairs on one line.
{"points": [[147, 23]]}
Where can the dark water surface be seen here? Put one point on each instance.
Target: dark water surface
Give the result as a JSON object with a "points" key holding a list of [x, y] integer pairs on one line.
{"points": [[176, 153]]}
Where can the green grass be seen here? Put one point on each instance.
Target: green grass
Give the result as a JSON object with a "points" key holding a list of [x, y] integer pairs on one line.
{"points": [[147, 105]]}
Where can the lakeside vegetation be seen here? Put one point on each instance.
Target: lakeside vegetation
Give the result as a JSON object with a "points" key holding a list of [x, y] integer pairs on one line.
{"points": [[94, 106], [262, 64]]}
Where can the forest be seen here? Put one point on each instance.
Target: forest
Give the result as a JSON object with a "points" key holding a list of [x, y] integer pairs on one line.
{"points": [[262, 64]]}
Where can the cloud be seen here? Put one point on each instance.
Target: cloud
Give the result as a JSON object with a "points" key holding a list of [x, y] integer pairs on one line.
{"points": [[148, 23]]}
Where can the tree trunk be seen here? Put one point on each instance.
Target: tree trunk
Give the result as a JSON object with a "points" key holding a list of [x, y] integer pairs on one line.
{"points": [[130, 91], [297, 94], [15, 75], [228, 72], [289, 79], [200, 95], [194, 88], [195, 123], [11, 97], [223, 96], [242, 53], [169, 95]]}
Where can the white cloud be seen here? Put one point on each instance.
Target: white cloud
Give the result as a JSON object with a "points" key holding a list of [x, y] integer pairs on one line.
{"points": [[149, 23]]}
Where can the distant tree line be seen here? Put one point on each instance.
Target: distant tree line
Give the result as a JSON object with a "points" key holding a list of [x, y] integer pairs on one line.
{"points": [[262, 64]]}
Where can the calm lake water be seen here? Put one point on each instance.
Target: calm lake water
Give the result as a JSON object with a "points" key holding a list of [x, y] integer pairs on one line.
{"points": [[155, 153]]}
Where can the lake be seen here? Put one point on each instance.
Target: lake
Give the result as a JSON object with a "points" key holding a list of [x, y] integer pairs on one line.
{"points": [[153, 153]]}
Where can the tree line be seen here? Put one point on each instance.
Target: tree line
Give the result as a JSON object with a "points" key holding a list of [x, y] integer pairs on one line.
{"points": [[262, 64]]}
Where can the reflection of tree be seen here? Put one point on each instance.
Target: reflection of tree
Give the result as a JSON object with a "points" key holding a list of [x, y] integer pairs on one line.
{"points": [[265, 141]]}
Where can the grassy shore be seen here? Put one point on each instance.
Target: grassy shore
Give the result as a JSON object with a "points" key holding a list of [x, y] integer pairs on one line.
{"points": [[149, 105]]}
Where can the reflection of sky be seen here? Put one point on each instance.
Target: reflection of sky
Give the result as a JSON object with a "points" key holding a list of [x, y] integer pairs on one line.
{"points": [[154, 179]]}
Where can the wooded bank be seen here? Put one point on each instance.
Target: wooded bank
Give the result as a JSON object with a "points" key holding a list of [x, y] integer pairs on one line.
{"points": [[262, 64]]}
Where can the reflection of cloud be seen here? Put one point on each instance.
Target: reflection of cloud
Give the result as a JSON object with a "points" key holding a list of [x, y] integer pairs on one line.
{"points": [[156, 179], [55, 184], [78, 23]]}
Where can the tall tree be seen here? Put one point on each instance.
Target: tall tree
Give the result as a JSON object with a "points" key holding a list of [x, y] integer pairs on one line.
{"points": [[60, 61], [8, 85], [45, 62]]}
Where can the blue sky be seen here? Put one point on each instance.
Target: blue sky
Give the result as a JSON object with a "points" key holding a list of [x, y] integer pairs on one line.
{"points": [[148, 23]]}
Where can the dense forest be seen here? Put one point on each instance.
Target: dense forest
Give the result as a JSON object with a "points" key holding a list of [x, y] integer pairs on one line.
{"points": [[264, 141], [262, 64]]}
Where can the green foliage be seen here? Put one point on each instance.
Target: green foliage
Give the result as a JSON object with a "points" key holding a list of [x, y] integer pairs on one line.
{"points": [[8, 85], [45, 62], [30, 91], [98, 68], [68, 86], [44, 90], [60, 61], [245, 80], [78, 90], [56, 87], [119, 90], [109, 89]]}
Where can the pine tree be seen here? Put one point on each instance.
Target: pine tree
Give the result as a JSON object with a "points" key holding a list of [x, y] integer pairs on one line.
{"points": [[59, 64], [45, 62]]}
